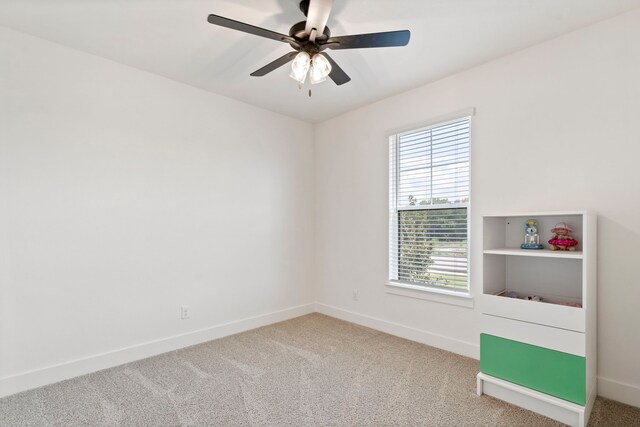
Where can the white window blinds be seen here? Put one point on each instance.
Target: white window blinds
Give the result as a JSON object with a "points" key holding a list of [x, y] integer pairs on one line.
{"points": [[429, 206]]}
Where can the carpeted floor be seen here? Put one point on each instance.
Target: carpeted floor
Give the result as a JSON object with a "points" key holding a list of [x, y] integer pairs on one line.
{"points": [[309, 371]]}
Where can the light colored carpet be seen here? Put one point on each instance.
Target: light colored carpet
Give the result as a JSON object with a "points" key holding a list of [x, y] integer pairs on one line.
{"points": [[309, 371]]}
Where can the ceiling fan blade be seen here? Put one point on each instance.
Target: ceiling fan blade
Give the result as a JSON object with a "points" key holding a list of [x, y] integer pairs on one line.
{"points": [[247, 28], [337, 74], [288, 57], [360, 41], [318, 15]]}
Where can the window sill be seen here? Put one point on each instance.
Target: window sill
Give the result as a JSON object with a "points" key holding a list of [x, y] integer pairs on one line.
{"points": [[430, 294]]}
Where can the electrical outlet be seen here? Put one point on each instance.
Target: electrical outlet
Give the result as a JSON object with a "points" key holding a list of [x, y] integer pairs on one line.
{"points": [[184, 312], [355, 295]]}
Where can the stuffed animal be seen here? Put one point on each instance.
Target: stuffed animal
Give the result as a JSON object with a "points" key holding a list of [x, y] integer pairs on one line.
{"points": [[531, 237], [561, 239]]}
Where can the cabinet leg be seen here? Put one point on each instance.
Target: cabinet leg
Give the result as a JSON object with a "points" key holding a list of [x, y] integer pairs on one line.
{"points": [[479, 389]]}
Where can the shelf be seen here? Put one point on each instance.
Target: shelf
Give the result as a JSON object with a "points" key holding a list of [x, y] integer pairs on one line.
{"points": [[544, 253]]}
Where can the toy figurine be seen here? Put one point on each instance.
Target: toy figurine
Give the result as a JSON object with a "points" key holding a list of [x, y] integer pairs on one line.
{"points": [[534, 298], [531, 238], [561, 239]]}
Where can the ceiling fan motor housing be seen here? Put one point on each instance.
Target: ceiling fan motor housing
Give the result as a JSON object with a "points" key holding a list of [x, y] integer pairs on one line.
{"points": [[298, 33]]}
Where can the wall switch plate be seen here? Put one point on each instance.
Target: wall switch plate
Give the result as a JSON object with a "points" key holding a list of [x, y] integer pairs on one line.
{"points": [[184, 312]]}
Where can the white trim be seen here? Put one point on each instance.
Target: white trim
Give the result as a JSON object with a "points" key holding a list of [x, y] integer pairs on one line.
{"points": [[394, 209], [619, 391], [444, 118], [591, 400], [444, 296], [470, 208], [610, 389], [418, 335], [51, 374]]}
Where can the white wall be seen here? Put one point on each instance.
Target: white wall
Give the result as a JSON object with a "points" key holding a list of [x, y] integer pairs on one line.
{"points": [[572, 101], [124, 195]]}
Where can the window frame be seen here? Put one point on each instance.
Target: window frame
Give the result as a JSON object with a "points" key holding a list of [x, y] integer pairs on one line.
{"points": [[435, 293]]}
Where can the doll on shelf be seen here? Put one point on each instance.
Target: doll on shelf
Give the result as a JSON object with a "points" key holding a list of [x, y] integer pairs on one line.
{"points": [[531, 237], [561, 239]]}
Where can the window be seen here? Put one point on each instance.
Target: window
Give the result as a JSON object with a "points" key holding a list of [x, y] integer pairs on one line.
{"points": [[429, 206]]}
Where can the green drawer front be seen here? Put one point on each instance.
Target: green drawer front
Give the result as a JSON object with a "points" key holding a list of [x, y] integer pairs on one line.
{"points": [[549, 371]]}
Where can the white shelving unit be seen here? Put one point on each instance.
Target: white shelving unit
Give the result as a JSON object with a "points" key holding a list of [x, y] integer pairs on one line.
{"points": [[563, 325]]}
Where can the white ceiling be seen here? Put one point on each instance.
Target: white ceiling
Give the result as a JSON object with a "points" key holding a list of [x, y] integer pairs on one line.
{"points": [[172, 38]]}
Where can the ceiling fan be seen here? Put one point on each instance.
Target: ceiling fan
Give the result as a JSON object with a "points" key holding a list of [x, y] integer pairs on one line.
{"points": [[311, 37]]}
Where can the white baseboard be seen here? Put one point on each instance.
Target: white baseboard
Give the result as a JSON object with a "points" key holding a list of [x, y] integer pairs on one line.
{"points": [[615, 390], [611, 389], [51, 374], [424, 337]]}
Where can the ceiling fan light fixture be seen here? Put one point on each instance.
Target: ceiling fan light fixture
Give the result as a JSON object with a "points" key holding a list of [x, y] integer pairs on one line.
{"points": [[320, 68], [300, 67], [309, 37]]}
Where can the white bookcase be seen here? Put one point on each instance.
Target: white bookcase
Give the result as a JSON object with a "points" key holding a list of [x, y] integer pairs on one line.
{"points": [[539, 355]]}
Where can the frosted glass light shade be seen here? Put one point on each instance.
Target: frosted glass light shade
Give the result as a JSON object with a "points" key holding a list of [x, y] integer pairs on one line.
{"points": [[300, 67], [320, 69]]}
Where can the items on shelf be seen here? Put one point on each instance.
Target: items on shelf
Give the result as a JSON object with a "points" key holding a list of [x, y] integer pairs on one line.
{"points": [[515, 295], [572, 304], [531, 237], [508, 294], [562, 239]]}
